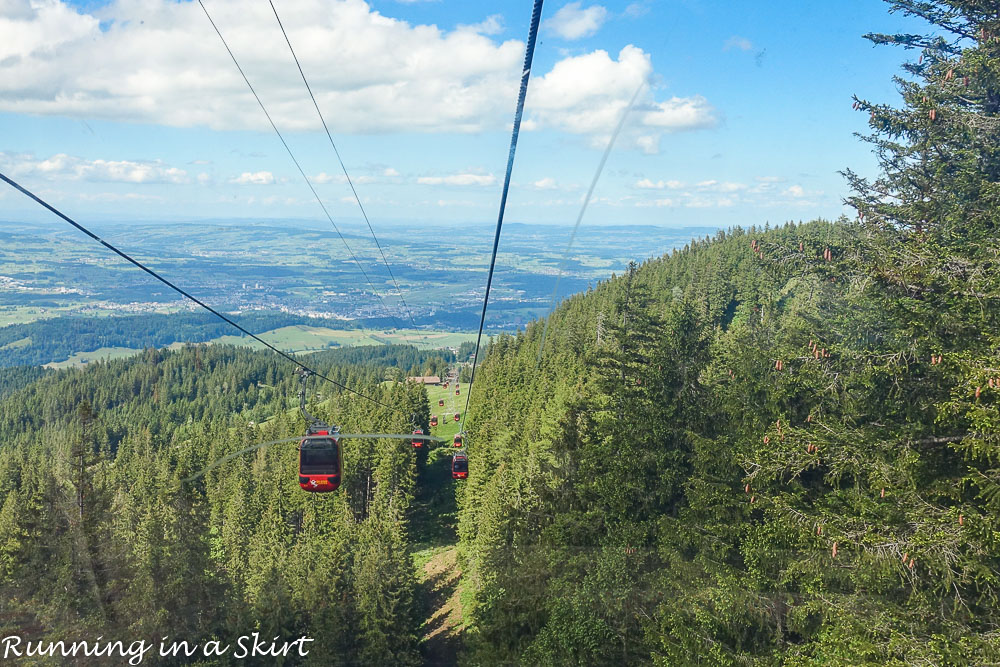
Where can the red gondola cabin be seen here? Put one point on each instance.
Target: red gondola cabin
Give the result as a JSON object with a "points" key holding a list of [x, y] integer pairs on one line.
{"points": [[417, 443], [457, 392], [458, 441], [434, 420], [457, 417], [459, 466], [320, 464], [441, 403]]}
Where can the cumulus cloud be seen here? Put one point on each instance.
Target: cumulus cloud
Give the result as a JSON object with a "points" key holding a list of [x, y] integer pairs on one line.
{"points": [[458, 179], [737, 42], [68, 167], [254, 178], [389, 171], [795, 191], [159, 61], [587, 94], [547, 183], [572, 21]]}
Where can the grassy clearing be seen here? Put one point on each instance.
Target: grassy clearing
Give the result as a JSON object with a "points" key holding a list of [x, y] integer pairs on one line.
{"points": [[83, 358], [13, 345]]}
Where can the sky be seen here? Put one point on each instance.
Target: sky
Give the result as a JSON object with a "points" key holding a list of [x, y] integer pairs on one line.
{"points": [[132, 109]]}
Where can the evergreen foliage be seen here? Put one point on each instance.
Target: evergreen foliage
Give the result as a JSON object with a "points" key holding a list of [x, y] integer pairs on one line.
{"points": [[778, 446], [101, 535]]}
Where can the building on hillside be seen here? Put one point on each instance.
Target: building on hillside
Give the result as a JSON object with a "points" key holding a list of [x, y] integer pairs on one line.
{"points": [[424, 379]]}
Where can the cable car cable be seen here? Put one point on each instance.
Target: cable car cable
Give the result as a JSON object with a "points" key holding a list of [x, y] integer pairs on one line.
{"points": [[292, 155], [339, 436], [579, 218], [529, 53], [343, 167], [184, 293]]}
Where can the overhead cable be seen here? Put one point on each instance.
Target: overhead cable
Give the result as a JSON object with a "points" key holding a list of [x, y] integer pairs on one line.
{"points": [[292, 155], [579, 218], [529, 53], [350, 182]]}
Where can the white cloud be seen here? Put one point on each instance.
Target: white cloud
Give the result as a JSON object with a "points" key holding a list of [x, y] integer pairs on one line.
{"points": [[795, 191], [254, 178], [389, 171], [646, 184], [323, 178], [648, 143], [491, 25], [118, 197], [659, 203], [587, 94], [716, 186], [573, 22], [637, 9], [458, 179], [737, 42], [547, 183], [681, 113], [68, 167], [159, 61]]}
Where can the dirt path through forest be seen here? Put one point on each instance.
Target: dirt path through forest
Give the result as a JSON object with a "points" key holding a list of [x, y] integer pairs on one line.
{"points": [[442, 626]]}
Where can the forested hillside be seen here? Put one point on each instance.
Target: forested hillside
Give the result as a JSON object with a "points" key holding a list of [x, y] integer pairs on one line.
{"points": [[777, 446], [101, 535]]}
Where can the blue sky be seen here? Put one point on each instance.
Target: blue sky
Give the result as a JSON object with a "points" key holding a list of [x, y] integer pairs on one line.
{"points": [[131, 110]]}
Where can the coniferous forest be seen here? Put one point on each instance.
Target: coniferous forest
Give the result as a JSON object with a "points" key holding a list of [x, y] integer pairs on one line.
{"points": [[776, 446]]}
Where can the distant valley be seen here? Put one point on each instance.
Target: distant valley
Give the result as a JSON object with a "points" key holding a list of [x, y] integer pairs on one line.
{"points": [[300, 283]]}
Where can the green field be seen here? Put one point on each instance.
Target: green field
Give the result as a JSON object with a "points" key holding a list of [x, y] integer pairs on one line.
{"points": [[303, 338]]}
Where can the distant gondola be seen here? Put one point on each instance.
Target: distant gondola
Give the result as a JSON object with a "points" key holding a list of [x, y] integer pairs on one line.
{"points": [[458, 441], [434, 420], [441, 403], [457, 417], [459, 466], [457, 392], [417, 443]]}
